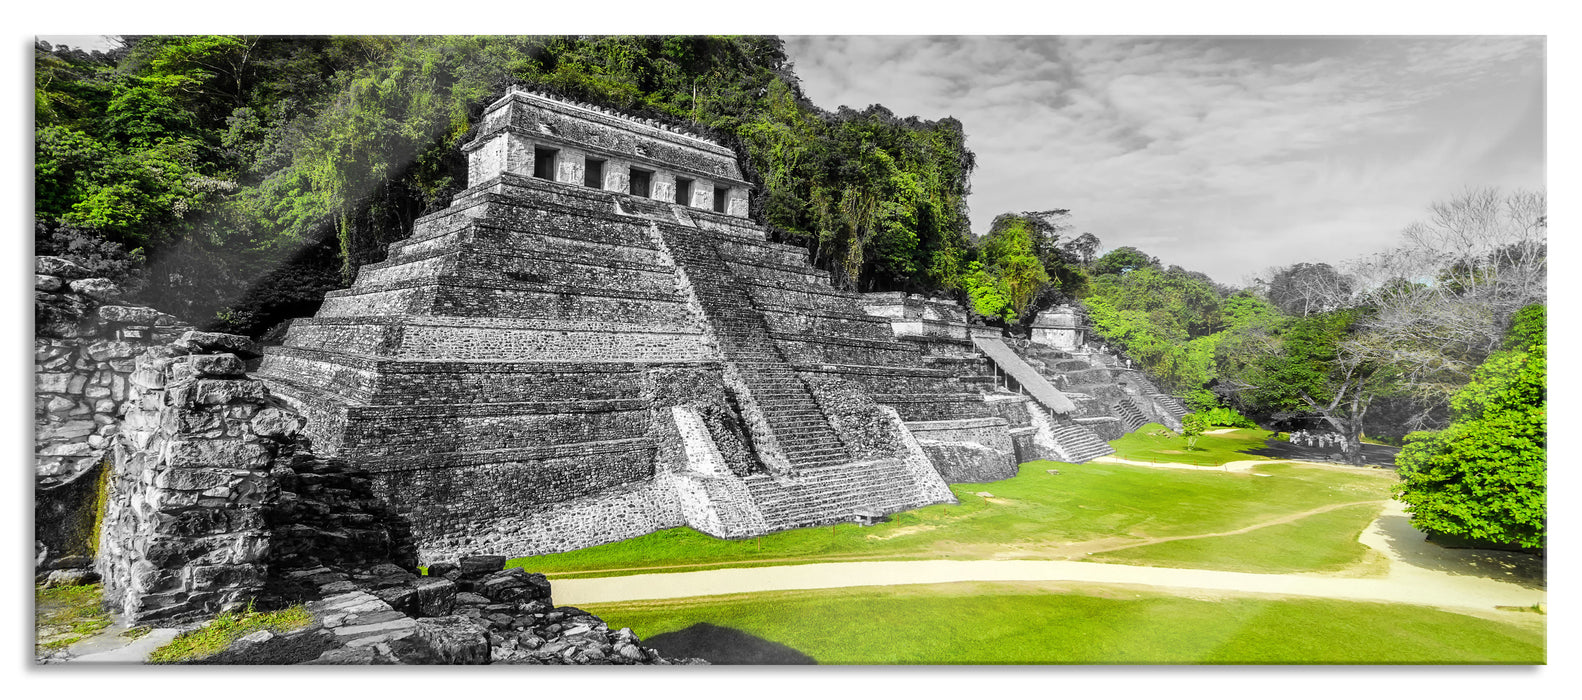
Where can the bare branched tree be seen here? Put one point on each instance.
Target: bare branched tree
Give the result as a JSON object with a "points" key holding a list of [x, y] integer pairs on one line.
{"points": [[1443, 301]]}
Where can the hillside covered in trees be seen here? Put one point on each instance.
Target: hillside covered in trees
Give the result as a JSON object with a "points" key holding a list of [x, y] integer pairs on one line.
{"points": [[235, 179]]}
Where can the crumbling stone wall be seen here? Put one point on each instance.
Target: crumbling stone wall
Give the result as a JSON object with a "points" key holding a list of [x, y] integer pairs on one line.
{"points": [[83, 347], [184, 531]]}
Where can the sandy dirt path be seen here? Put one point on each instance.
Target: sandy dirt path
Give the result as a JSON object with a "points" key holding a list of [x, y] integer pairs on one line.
{"points": [[1419, 573]]}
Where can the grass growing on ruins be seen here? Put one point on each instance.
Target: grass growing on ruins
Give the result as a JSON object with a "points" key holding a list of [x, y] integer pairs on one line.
{"points": [[1053, 623], [226, 628], [1035, 515], [1320, 542], [1156, 443], [65, 615]]}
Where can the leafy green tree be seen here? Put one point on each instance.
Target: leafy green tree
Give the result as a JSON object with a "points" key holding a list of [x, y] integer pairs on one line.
{"points": [[1485, 477], [1308, 369], [1193, 426], [1123, 259]]}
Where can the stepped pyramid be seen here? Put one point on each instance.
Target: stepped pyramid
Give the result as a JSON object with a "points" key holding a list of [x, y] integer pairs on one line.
{"points": [[593, 342]]}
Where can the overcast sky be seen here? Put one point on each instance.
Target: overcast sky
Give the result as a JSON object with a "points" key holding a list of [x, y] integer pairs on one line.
{"points": [[1223, 155]]}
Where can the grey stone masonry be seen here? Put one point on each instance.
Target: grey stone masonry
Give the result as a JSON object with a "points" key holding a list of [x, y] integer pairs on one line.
{"points": [[508, 374], [184, 531], [83, 346]]}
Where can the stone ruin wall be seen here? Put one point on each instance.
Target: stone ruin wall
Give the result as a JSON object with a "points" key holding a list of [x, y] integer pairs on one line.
{"points": [[83, 347], [185, 532]]}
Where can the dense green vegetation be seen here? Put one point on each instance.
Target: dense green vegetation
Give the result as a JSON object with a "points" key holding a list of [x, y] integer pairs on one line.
{"points": [[240, 177], [1034, 515], [1484, 477], [1002, 623]]}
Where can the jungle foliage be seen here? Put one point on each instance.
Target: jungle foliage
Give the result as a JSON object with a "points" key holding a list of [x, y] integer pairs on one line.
{"points": [[255, 173], [1484, 477]]}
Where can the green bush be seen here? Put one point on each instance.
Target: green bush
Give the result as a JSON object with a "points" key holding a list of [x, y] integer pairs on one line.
{"points": [[1485, 477]]}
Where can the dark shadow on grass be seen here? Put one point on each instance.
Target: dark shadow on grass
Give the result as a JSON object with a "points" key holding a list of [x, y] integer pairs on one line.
{"points": [[1524, 569], [1372, 455], [724, 645]]}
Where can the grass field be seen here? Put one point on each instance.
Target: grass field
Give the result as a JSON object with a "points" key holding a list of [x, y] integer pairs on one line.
{"points": [[1322, 542], [1003, 623], [1156, 443], [1084, 508]]}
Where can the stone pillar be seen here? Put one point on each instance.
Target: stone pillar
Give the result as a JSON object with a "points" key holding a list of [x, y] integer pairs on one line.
{"points": [[184, 531]]}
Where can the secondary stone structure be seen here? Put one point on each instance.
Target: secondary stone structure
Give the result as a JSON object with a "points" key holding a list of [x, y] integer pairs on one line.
{"points": [[593, 342]]}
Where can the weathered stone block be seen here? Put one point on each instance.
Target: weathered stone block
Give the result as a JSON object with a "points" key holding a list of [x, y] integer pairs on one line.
{"points": [[210, 578], [199, 341], [435, 596], [276, 423], [52, 382], [195, 479], [98, 288], [48, 283], [221, 365], [130, 315], [480, 564], [452, 639], [217, 453], [58, 267], [111, 350]]}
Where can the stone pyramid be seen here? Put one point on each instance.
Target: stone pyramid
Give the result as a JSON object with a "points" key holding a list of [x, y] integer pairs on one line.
{"points": [[594, 342]]}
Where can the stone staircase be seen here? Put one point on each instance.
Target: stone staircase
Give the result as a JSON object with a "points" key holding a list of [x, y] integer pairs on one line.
{"points": [[1077, 443], [833, 494], [1131, 416], [788, 406], [1170, 404]]}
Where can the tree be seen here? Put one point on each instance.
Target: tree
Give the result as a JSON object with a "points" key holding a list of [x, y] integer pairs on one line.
{"points": [[1009, 276], [1307, 369], [1484, 477], [1308, 288], [1442, 302], [1122, 260], [1083, 247], [1193, 426]]}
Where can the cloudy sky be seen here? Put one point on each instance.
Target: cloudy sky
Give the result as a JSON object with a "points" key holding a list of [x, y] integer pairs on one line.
{"points": [[1220, 154], [1223, 155]]}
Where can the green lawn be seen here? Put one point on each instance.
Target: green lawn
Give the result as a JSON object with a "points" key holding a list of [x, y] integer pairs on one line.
{"points": [[1003, 623], [1156, 443], [1321, 542], [1032, 515]]}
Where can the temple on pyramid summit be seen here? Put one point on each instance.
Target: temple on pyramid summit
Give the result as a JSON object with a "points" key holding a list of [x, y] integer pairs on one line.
{"points": [[594, 342]]}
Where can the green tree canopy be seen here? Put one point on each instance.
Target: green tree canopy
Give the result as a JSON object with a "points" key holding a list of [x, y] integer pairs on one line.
{"points": [[1485, 476], [1123, 259]]}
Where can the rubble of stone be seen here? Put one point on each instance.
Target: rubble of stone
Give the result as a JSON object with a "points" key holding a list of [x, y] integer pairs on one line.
{"points": [[467, 612]]}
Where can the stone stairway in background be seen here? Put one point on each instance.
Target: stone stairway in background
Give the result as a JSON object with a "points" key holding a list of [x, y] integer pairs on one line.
{"points": [[1078, 444], [830, 494], [1131, 417]]}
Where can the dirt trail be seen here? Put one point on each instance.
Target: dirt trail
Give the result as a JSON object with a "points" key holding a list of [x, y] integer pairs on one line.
{"points": [[1419, 573]]}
